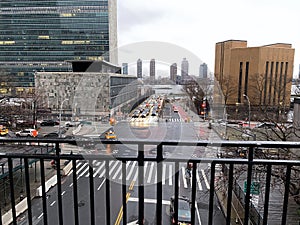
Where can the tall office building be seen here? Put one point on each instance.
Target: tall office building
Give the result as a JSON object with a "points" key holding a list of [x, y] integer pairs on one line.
{"points": [[264, 74], [125, 68], [43, 35], [139, 68], [203, 71], [152, 69], [184, 69], [173, 72]]}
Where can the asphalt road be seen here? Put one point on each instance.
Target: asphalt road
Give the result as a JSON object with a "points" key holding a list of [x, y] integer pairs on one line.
{"points": [[172, 127]]}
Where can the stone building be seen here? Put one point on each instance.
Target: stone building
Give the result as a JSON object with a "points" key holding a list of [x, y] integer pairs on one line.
{"points": [[262, 73]]}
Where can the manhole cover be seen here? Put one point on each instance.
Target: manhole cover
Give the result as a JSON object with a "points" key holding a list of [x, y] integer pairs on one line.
{"points": [[81, 203]]}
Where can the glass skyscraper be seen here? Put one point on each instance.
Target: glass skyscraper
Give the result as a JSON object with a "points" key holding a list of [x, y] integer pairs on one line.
{"points": [[43, 35]]}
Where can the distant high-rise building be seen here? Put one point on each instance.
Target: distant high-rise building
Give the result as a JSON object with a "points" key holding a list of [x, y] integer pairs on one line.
{"points": [[184, 69], [152, 69], [125, 68], [173, 72], [203, 70], [139, 68], [44, 35]]}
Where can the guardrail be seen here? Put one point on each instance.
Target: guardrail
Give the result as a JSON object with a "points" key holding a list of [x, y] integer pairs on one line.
{"points": [[159, 159]]}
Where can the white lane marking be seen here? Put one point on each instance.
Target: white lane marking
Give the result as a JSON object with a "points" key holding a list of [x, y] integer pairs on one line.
{"points": [[205, 179], [183, 177], [198, 214], [199, 181], [150, 172], [170, 175], [127, 164], [63, 192], [101, 184], [102, 174], [164, 174], [131, 170], [149, 200], [53, 203], [40, 216], [99, 168], [96, 162], [71, 185]]}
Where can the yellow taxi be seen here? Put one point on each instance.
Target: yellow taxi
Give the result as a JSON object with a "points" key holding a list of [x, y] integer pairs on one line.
{"points": [[3, 131], [110, 135]]}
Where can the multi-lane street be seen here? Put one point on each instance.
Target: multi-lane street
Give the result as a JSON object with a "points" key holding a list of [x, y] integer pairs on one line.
{"points": [[172, 125]]}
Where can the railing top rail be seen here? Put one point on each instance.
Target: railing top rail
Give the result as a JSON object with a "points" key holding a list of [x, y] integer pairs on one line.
{"points": [[217, 143]]}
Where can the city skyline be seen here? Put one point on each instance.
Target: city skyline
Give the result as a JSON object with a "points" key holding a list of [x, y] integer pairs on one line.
{"points": [[137, 23]]}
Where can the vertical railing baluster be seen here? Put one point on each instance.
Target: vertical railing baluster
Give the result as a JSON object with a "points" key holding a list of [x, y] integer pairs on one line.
{"points": [[193, 180], [28, 195], [286, 194], [229, 197], [44, 194], [92, 194], [211, 193], [159, 160], [141, 182], [59, 190], [12, 190], [75, 192], [248, 186], [267, 194], [176, 192], [124, 192], [107, 192]]}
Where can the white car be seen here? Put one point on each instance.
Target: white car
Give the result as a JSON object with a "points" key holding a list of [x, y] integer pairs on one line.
{"points": [[27, 133]]}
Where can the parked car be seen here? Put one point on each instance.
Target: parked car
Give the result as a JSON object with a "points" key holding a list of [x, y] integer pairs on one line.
{"points": [[184, 211], [266, 125], [27, 133], [49, 123]]}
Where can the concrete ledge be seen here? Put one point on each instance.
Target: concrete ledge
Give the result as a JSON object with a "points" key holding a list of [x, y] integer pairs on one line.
{"points": [[50, 183], [20, 208]]}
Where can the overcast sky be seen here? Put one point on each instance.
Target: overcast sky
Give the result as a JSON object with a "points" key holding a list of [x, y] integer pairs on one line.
{"points": [[197, 25]]}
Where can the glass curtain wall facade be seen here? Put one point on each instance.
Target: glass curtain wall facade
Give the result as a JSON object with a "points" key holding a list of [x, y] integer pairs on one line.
{"points": [[42, 35]]}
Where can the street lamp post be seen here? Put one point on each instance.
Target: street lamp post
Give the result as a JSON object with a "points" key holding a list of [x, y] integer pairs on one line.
{"points": [[249, 108], [59, 126]]}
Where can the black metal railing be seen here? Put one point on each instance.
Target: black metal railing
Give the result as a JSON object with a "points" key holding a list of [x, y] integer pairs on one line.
{"points": [[141, 158]]}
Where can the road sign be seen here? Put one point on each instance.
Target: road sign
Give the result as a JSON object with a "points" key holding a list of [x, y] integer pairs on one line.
{"points": [[254, 187]]}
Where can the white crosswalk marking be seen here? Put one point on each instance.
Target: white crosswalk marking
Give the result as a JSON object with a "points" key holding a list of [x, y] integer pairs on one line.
{"points": [[99, 168], [183, 177], [164, 174], [127, 164], [170, 175], [199, 181], [150, 172], [132, 168], [103, 172], [205, 179], [117, 172]]}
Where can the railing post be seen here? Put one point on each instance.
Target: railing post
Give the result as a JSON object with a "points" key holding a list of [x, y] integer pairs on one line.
{"points": [[159, 157], [141, 182], [229, 197], [248, 186], [59, 190], [193, 208], [12, 190], [211, 193], [286, 194]]}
